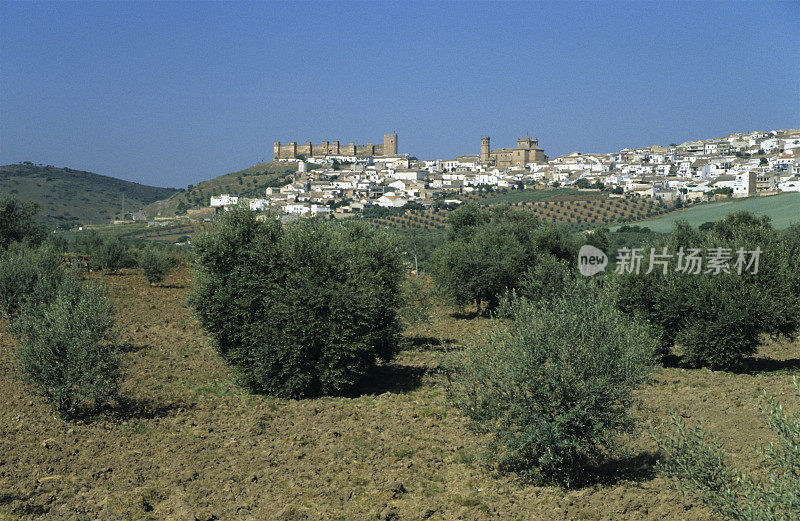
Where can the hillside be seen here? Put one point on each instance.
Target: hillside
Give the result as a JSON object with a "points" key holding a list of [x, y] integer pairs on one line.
{"points": [[70, 197], [250, 182], [783, 209]]}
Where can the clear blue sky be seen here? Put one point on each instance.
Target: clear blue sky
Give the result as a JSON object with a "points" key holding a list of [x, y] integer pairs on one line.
{"points": [[171, 93]]}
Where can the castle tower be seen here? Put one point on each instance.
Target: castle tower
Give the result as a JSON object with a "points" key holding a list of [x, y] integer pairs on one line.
{"points": [[485, 149], [389, 144], [526, 142], [276, 154]]}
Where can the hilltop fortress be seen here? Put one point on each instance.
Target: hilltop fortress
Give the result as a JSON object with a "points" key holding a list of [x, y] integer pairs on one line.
{"points": [[333, 148]]}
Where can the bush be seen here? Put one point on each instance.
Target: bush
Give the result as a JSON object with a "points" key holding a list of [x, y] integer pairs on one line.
{"points": [[65, 350], [488, 251], [110, 255], [155, 264], [17, 223], [553, 386], [301, 310], [718, 319], [698, 461], [548, 278], [24, 269], [84, 243], [723, 322]]}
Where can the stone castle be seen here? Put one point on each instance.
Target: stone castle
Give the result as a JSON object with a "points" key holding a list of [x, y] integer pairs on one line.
{"points": [[526, 151], [334, 148]]}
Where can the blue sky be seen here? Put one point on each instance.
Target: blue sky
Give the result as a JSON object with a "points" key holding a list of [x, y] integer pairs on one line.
{"points": [[171, 93]]}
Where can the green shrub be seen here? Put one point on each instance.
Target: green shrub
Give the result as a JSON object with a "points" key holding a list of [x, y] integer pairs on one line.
{"points": [[64, 347], [546, 279], [17, 223], [698, 461], [552, 386], [718, 318], [488, 251], [110, 254], [723, 324], [155, 263], [23, 269], [84, 243], [301, 310]]}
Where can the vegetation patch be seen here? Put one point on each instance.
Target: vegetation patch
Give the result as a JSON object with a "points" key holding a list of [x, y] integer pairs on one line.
{"points": [[300, 310]]}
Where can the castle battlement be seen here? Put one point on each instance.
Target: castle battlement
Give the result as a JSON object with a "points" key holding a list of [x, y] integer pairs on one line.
{"points": [[335, 148]]}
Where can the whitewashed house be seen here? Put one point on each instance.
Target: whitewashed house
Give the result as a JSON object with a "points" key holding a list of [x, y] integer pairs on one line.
{"points": [[258, 205], [745, 184], [224, 200]]}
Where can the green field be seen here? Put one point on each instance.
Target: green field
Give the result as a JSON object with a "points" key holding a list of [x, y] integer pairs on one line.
{"points": [[783, 209]]}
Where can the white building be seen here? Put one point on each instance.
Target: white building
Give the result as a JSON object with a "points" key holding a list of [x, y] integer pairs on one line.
{"points": [[258, 205], [224, 200], [745, 184]]}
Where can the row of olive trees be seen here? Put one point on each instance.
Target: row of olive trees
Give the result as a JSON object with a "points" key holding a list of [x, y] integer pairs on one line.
{"points": [[307, 309], [65, 346], [716, 317], [310, 308], [552, 381], [110, 254]]}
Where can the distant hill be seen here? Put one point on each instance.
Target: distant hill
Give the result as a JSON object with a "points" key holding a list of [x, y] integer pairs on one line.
{"points": [[71, 197], [250, 182]]}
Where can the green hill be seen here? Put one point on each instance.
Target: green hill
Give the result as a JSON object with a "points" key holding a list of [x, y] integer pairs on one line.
{"points": [[250, 182], [783, 209], [71, 197]]}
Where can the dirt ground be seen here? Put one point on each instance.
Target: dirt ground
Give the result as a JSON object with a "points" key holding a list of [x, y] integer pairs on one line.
{"points": [[191, 445]]}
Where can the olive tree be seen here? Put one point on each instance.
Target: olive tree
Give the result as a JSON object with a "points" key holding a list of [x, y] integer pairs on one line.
{"points": [[299, 310]]}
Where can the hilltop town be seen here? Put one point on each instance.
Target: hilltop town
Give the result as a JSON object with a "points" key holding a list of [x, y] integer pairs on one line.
{"points": [[346, 179]]}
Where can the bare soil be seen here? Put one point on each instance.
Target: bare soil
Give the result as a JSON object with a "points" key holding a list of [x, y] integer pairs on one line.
{"points": [[189, 444]]}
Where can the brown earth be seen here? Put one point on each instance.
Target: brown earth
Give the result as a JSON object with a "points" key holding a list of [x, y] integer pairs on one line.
{"points": [[192, 445]]}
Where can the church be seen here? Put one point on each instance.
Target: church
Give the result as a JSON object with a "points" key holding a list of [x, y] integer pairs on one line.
{"points": [[526, 151]]}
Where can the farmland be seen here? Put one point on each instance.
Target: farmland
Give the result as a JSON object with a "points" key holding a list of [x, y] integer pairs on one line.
{"points": [[160, 231], [194, 445], [783, 209], [581, 210]]}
